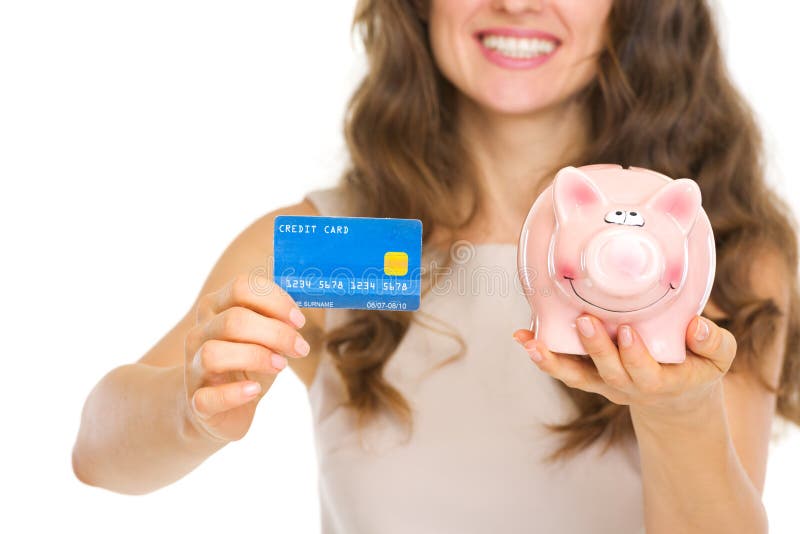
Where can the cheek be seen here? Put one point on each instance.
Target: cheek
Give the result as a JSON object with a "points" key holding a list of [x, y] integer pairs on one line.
{"points": [[437, 30], [586, 22], [673, 273], [449, 37], [565, 268], [585, 18]]}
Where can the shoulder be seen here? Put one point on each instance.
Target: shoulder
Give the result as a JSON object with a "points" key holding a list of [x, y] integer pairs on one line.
{"points": [[771, 278], [251, 250], [253, 235]]}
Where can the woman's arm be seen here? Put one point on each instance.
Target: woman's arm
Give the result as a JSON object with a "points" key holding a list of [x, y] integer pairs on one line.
{"points": [[693, 479], [718, 453], [138, 432], [703, 434]]}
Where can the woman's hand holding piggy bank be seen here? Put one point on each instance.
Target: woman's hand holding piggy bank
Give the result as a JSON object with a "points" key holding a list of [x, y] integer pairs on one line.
{"points": [[617, 264]]}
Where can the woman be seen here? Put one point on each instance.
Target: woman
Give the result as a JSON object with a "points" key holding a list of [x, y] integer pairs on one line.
{"points": [[432, 421]]}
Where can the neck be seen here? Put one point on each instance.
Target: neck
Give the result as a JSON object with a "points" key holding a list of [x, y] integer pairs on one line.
{"points": [[515, 157]]}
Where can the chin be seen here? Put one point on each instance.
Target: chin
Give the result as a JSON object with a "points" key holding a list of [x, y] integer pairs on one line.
{"points": [[514, 101], [514, 108]]}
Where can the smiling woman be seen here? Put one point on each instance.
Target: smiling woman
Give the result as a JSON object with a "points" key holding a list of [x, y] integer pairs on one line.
{"points": [[647, 88], [511, 92], [436, 420]]}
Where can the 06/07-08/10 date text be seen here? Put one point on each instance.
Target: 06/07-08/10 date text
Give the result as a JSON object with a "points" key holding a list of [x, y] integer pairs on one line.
{"points": [[381, 305]]}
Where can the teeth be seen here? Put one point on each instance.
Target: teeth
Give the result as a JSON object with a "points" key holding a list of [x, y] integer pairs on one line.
{"points": [[518, 47]]}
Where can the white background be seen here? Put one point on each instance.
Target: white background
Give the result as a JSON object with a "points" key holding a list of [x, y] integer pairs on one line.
{"points": [[136, 140]]}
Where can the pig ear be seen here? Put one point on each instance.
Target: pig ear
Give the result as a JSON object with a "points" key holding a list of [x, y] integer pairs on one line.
{"points": [[680, 199], [573, 190]]}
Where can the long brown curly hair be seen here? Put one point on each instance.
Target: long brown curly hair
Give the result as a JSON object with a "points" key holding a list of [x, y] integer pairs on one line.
{"points": [[661, 99]]}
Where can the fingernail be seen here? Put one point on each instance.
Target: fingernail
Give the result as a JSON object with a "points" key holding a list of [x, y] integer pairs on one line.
{"points": [[625, 337], [297, 317], [278, 361], [530, 346], [585, 326], [251, 389], [301, 346], [702, 331]]}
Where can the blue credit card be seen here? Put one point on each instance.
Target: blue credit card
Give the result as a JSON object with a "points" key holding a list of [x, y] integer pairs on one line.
{"points": [[349, 262]]}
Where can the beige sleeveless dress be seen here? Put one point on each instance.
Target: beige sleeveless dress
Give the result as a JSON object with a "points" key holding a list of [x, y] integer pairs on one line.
{"points": [[473, 462]]}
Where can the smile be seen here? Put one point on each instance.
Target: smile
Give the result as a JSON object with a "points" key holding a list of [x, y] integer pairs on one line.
{"points": [[517, 48], [616, 311]]}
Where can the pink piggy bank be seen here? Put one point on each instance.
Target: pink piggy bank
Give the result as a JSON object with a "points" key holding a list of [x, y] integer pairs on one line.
{"points": [[625, 245]]}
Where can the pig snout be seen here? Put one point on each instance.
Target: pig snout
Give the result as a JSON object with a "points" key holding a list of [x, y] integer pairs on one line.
{"points": [[623, 262]]}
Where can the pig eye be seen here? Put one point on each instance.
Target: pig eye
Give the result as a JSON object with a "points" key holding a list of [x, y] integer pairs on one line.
{"points": [[635, 219], [615, 216]]}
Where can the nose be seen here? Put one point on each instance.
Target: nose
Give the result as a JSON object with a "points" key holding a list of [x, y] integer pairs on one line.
{"points": [[623, 262]]}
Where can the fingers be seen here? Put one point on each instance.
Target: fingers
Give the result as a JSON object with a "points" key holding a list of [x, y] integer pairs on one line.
{"points": [[706, 339], [265, 297], [246, 326], [646, 373], [217, 356], [617, 373], [626, 371], [603, 352], [212, 400], [575, 372]]}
